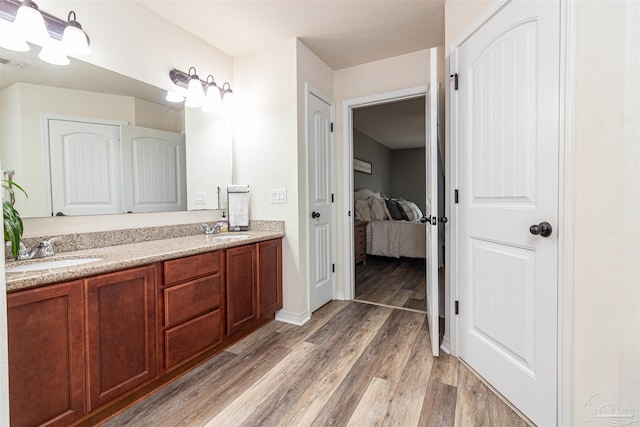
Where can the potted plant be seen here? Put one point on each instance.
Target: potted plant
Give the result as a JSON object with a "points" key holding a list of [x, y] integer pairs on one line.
{"points": [[12, 222]]}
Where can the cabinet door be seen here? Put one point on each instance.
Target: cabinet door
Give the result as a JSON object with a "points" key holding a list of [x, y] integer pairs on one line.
{"points": [[242, 292], [46, 355], [270, 276], [121, 332]]}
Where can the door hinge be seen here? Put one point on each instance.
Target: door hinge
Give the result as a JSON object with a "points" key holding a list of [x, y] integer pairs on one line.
{"points": [[456, 197], [455, 81], [349, 213], [333, 268], [332, 198], [457, 309], [331, 126]]}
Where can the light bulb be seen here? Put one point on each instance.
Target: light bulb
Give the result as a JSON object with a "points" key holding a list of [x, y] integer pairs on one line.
{"points": [[212, 101], [174, 96], [30, 23], [74, 40], [195, 93], [53, 53], [11, 38]]}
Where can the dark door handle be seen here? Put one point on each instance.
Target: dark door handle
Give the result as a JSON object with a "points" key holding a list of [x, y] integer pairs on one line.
{"points": [[543, 229], [315, 215]]}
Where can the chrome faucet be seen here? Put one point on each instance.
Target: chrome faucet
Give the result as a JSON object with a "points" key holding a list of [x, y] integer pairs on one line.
{"points": [[211, 230], [41, 249]]}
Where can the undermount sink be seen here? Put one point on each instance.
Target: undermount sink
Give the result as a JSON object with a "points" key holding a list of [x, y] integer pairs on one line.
{"points": [[230, 236], [50, 265]]}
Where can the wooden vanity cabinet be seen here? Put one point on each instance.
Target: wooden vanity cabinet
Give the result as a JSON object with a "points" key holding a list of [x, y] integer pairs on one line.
{"points": [[270, 277], [83, 350], [242, 287], [121, 332], [192, 298], [46, 355]]}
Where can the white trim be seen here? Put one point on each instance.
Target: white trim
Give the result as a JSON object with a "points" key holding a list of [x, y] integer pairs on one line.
{"points": [[340, 295], [566, 212], [445, 345], [565, 194], [297, 319], [309, 89], [347, 169]]}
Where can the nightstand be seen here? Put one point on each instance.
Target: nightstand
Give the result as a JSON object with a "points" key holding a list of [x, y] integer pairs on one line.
{"points": [[360, 241]]}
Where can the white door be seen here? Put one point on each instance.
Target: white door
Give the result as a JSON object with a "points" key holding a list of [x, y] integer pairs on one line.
{"points": [[321, 224], [507, 104], [153, 170], [431, 129], [85, 168]]}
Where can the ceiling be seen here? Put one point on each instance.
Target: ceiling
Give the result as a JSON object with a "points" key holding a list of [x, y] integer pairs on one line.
{"points": [[342, 33], [398, 125]]}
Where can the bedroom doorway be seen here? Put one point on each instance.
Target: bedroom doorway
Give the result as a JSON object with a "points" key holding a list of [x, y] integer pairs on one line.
{"points": [[389, 141]]}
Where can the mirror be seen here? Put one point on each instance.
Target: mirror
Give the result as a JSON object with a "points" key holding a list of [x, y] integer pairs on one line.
{"points": [[32, 91]]}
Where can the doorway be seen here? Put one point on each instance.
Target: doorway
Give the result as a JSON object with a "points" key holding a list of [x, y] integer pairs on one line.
{"points": [[390, 137]]}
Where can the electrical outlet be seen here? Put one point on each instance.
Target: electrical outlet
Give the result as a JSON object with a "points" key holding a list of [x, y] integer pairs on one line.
{"points": [[200, 197], [279, 195]]}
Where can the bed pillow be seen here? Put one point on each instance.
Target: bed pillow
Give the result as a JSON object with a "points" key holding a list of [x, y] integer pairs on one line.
{"points": [[362, 194], [410, 209], [395, 210], [379, 211], [363, 210]]}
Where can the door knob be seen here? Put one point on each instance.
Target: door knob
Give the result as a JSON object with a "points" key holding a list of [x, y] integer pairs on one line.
{"points": [[543, 229], [315, 215]]}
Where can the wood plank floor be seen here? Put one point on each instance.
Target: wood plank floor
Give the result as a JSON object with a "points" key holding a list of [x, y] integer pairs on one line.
{"points": [[352, 364], [391, 281]]}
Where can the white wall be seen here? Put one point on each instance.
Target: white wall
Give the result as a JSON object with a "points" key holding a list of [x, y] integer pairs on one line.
{"points": [[606, 288], [265, 149], [607, 207]]}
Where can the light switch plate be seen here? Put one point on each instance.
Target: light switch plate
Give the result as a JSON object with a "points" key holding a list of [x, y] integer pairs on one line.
{"points": [[200, 197], [279, 195]]}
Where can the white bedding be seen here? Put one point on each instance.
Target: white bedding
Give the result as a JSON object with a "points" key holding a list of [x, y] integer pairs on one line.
{"points": [[396, 239]]}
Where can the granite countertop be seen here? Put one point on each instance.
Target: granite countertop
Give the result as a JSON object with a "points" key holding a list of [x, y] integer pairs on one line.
{"points": [[120, 257]]}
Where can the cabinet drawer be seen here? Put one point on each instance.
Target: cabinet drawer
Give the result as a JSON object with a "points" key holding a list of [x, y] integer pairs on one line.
{"points": [[188, 300], [182, 269], [189, 338], [360, 231]]}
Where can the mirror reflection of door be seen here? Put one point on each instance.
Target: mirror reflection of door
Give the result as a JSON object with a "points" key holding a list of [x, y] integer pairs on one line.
{"points": [[99, 168], [86, 176]]}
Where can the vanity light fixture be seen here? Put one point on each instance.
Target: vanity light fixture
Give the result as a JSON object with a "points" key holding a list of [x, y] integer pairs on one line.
{"points": [[24, 21], [199, 93]]}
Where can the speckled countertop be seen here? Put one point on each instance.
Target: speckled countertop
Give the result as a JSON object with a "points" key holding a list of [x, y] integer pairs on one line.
{"points": [[131, 255]]}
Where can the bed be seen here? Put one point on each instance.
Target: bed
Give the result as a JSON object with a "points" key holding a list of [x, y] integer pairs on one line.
{"points": [[394, 228]]}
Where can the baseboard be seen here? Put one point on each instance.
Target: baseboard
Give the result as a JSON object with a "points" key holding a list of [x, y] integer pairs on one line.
{"points": [[445, 345], [340, 295], [297, 319]]}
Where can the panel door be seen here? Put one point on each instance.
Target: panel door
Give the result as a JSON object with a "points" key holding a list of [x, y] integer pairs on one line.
{"points": [[46, 355], [154, 170], [431, 228], [270, 277], [121, 332], [321, 223], [242, 287], [85, 162], [508, 171]]}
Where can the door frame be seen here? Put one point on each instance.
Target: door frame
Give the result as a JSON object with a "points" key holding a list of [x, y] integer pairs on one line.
{"points": [[348, 105], [566, 146], [309, 90]]}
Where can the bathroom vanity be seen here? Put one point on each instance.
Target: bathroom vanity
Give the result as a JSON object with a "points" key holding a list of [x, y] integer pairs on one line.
{"points": [[87, 341]]}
